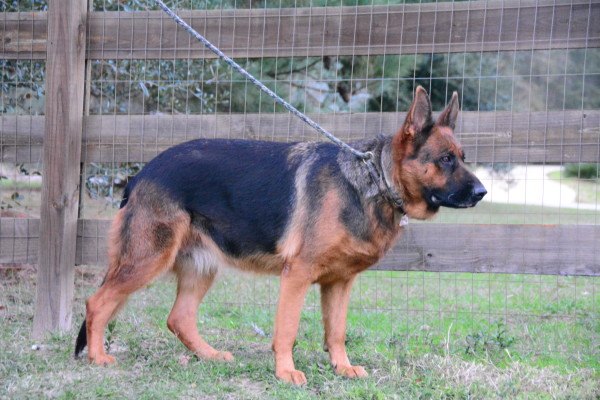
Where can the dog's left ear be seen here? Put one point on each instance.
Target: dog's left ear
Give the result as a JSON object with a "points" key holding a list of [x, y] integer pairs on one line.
{"points": [[450, 114]]}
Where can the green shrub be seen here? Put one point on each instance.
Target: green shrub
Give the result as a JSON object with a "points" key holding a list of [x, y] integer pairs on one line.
{"points": [[582, 171]]}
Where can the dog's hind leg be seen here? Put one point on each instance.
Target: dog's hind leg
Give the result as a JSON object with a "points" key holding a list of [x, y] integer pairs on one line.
{"points": [[140, 249], [183, 319], [101, 307], [335, 297]]}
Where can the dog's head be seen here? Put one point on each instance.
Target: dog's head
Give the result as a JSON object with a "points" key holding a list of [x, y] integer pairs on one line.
{"points": [[428, 161]]}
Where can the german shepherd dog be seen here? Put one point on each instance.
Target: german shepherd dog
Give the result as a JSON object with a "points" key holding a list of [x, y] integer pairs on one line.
{"points": [[308, 212]]}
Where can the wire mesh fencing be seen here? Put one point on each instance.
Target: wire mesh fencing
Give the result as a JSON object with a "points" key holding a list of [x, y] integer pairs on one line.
{"points": [[510, 279]]}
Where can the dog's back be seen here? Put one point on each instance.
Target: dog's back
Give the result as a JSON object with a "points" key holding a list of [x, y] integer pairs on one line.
{"points": [[238, 192]]}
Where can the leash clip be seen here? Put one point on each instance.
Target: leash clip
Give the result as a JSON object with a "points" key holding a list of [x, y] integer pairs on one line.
{"points": [[368, 156]]}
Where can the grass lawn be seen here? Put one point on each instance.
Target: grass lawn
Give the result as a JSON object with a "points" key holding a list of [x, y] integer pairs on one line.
{"points": [[420, 335], [588, 190], [500, 213]]}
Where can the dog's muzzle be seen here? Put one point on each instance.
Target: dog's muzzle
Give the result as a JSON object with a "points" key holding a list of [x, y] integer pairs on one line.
{"points": [[465, 198]]}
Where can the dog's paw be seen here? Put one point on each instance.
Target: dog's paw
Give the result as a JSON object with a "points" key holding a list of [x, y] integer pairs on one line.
{"points": [[215, 355], [103, 360], [223, 356], [351, 371], [292, 376]]}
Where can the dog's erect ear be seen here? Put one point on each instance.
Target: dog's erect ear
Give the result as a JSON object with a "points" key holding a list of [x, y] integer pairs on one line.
{"points": [[450, 114], [419, 114]]}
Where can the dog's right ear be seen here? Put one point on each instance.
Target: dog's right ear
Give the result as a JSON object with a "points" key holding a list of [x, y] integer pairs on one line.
{"points": [[419, 114]]}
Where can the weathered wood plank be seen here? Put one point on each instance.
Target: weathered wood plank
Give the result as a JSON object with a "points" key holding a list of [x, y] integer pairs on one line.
{"points": [[21, 138], [23, 35], [514, 249], [518, 249], [19, 239], [65, 77], [316, 31], [551, 137]]}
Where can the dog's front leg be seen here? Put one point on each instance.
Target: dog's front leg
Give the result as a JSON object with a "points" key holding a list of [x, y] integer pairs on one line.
{"points": [[335, 297], [295, 281]]}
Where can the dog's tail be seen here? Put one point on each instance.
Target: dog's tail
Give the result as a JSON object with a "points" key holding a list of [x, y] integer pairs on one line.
{"points": [[81, 341]]}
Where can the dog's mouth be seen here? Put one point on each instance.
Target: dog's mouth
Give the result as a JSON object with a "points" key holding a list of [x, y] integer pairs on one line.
{"points": [[438, 202], [456, 200]]}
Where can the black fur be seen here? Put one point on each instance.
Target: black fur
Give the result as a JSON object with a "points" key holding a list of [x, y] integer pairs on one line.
{"points": [[240, 192], [81, 341]]}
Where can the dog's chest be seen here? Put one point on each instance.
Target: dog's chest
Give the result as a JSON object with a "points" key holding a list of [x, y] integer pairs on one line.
{"points": [[346, 255]]}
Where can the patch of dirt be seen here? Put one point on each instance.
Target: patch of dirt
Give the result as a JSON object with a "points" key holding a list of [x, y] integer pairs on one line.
{"points": [[249, 387]]}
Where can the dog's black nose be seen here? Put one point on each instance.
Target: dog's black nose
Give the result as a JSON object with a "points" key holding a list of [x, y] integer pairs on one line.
{"points": [[478, 192]]}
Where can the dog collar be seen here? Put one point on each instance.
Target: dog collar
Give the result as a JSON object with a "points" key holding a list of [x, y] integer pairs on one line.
{"points": [[378, 177]]}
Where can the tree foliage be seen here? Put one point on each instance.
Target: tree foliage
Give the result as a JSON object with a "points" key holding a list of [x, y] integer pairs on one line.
{"points": [[487, 81]]}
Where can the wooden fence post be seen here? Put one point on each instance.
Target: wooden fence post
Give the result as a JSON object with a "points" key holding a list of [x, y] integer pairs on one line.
{"points": [[65, 77]]}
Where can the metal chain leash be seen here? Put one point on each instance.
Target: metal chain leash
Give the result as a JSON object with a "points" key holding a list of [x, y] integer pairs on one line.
{"points": [[366, 157], [362, 155]]}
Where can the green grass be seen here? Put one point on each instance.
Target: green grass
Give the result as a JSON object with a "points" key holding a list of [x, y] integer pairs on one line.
{"points": [[499, 213], [21, 184], [420, 335], [588, 190]]}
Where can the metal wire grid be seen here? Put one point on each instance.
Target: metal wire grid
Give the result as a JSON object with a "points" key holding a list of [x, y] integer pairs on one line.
{"points": [[21, 93], [410, 305]]}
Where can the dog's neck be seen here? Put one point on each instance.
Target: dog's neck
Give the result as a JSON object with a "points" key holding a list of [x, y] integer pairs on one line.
{"points": [[386, 165], [377, 178]]}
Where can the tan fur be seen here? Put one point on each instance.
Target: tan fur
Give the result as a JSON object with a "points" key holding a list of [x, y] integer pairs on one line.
{"points": [[132, 265], [183, 318], [335, 297], [334, 253], [295, 281]]}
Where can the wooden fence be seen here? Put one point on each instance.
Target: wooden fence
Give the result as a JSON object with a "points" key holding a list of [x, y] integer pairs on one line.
{"points": [[67, 35]]}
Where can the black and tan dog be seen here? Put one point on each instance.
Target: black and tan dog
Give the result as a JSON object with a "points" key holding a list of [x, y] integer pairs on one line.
{"points": [[308, 212]]}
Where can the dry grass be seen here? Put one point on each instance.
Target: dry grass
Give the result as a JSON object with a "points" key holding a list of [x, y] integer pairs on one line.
{"points": [[517, 378]]}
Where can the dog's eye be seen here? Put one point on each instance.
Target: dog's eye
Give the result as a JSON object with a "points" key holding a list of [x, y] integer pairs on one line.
{"points": [[447, 159]]}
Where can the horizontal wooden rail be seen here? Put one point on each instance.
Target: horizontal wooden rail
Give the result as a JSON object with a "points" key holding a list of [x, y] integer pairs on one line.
{"points": [[550, 137], [443, 27], [518, 249]]}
